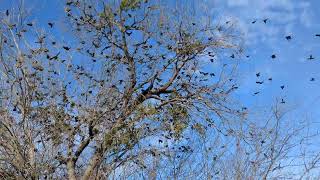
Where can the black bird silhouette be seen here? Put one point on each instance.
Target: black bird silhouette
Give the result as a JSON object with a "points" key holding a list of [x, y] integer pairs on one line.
{"points": [[270, 79], [265, 20], [311, 57], [259, 82], [282, 87], [50, 24], [318, 35], [288, 38], [312, 79], [254, 21], [66, 48], [7, 12], [247, 56], [232, 56], [29, 24], [256, 93], [258, 74], [273, 56], [282, 101]]}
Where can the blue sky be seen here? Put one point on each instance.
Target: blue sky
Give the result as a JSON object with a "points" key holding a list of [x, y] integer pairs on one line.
{"points": [[291, 68]]}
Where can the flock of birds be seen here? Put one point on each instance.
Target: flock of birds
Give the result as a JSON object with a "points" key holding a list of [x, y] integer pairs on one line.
{"points": [[274, 56]]}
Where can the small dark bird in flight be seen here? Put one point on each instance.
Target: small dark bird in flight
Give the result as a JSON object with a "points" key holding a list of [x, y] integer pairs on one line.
{"points": [[282, 101], [66, 48], [29, 24], [259, 82], [232, 56], [265, 20], [318, 35], [50, 24], [256, 93], [288, 38], [258, 74], [282, 87], [312, 79], [7, 12], [247, 56], [254, 21], [270, 79], [273, 56], [311, 57]]}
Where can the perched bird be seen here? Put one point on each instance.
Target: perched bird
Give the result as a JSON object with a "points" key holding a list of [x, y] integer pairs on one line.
{"points": [[288, 38], [66, 48], [265, 20], [311, 57], [232, 56], [282, 87], [273, 56], [270, 79], [256, 93]]}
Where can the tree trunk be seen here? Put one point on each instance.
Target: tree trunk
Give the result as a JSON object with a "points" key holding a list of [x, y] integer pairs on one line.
{"points": [[71, 170]]}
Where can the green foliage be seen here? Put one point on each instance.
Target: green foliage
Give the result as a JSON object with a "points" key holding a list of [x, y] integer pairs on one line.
{"points": [[129, 4]]}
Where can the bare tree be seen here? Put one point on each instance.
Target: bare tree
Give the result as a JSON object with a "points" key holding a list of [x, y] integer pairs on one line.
{"points": [[131, 74]]}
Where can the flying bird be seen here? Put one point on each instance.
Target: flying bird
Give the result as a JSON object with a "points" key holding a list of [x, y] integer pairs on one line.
{"points": [[288, 38], [256, 93], [312, 79], [270, 79], [273, 56], [258, 74], [282, 87], [311, 57], [317, 35], [282, 101], [265, 20], [50, 24]]}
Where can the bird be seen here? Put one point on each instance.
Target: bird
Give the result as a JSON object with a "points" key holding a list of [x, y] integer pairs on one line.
{"points": [[311, 57], [273, 56], [66, 48], [270, 79], [7, 12], [282, 101], [259, 82], [317, 35], [256, 93], [282, 87], [254, 21], [29, 24], [50, 24], [312, 79], [265, 20], [288, 38], [232, 56], [258, 74]]}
